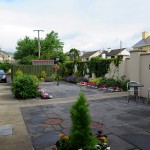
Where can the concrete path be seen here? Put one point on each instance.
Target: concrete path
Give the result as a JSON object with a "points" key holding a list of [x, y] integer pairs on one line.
{"points": [[126, 124]]}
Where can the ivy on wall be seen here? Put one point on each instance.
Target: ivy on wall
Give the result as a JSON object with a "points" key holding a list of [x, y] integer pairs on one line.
{"points": [[82, 68], [98, 66], [117, 60], [67, 68]]}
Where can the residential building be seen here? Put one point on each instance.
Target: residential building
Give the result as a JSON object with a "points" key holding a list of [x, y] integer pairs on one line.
{"points": [[88, 55], [143, 44], [103, 54], [117, 52], [4, 56]]}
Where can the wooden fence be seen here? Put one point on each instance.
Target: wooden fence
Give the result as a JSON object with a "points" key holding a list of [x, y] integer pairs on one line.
{"points": [[32, 69]]}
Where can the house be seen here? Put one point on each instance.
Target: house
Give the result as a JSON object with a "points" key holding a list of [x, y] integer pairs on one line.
{"points": [[88, 55], [143, 44], [103, 54], [117, 52], [4, 56]]}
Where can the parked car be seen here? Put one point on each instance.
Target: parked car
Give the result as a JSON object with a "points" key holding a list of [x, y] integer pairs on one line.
{"points": [[3, 77]]}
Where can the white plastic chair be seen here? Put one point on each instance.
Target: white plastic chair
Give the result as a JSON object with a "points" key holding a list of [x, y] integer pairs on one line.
{"points": [[131, 89]]}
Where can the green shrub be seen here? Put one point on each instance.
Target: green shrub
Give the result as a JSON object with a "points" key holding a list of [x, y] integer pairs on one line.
{"points": [[25, 86], [18, 72], [80, 136], [66, 69], [5, 66], [121, 83], [96, 80], [42, 76], [77, 73]]}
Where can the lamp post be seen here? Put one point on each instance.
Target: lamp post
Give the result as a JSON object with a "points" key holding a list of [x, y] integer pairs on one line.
{"points": [[57, 60], [39, 46]]}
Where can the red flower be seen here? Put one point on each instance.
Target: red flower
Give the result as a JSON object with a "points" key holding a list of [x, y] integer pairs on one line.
{"points": [[55, 67]]}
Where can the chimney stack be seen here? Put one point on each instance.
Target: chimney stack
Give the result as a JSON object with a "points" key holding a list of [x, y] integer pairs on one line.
{"points": [[144, 35]]}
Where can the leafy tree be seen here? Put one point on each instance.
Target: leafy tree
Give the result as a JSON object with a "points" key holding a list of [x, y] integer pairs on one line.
{"points": [[74, 54], [51, 47], [27, 60], [26, 47]]}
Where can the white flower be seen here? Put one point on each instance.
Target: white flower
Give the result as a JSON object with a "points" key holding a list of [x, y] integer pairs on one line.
{"points": [[108, 148], [105, 143], [98, 147]]}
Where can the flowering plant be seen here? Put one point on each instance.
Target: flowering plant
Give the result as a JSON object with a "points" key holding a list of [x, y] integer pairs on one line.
{"points": [[118, 89], [55, 67], [56, 75], [64, 143], [43, 94], [103, 86]]}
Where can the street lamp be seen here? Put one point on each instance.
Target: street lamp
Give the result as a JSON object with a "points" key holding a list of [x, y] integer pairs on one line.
{"points": [[57, 60], [39, 46]]}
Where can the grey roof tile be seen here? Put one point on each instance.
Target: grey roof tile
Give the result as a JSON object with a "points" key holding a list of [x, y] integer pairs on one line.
{"points": [[142, 43], [88, 54], [115, 52]]}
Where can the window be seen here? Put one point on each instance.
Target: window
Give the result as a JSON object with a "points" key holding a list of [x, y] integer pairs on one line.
{"points": [[140, 48]]}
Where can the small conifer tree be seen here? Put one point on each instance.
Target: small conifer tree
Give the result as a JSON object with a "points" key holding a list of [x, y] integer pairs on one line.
{"points": [[80, 135]]}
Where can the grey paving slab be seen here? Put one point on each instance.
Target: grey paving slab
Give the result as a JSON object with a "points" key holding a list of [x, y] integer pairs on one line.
{"points": [[6, 130], [33, 129], [67, 89], [142, 141], [46, 140], [116, 143], [118, 122], [37, 119], [119, 117], [142, 113]]}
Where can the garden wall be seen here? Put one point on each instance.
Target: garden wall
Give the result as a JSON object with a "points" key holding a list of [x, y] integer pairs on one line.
{"points": [[127, 68], [119, 71], [135, 68], [140, 70], [145, 73], [113, 72]]}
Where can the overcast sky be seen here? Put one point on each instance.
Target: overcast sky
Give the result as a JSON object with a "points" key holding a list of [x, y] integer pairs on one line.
{"points": [[81, 24]]}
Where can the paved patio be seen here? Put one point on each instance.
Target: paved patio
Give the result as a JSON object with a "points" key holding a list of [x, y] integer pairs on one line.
{"points": [[126, 124]]}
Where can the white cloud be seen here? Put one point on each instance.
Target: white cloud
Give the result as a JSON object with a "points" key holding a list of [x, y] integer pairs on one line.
{"points": [[81, 24]]}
